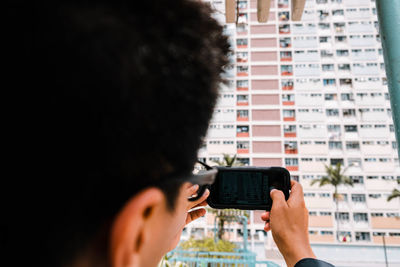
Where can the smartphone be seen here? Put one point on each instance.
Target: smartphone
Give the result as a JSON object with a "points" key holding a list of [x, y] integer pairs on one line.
{"points": [[247, 188]]}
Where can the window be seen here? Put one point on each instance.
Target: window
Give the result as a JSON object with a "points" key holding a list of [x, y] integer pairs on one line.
{"points": [[242, 129], [283, 16], [291, 162], [342, 216], [324, 39], [324, 195], [309, 195], [228, 142], [358, 198], [325, 213], [354, 162], [394, 234], [351, 112], [376, 214], [352, 145], [347, 97], [328, 67], [284, 28], [350, 128], [286, 55], [344, 67], [287, 97], [288, 113], [242, 113], [333, 128], [329, 82], [242, 98], [375, 196], [360, 217], [336, 161], [330, 97], [332, 112], [392, 214], [312, 213], [241, 42], [241, 57], [357, 179], [242, 83], [342, 53], [326, 233], [335, 145], [363, 236], [378, 233], [285, 42], [289, 128], [242, 145]]}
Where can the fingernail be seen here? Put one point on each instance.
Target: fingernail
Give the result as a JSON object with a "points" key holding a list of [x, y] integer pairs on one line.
{"points": [[207, 192], [195, 187]]}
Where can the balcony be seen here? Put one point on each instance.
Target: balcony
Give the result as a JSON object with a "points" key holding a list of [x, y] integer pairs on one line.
{"points": [[242, 151], [198, 258], [286, 70], [242, 85], [239, 118], [287, 85], [292, 168], [289, 134]]}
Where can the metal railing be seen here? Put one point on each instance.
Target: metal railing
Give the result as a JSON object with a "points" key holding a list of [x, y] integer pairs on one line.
{"points": [[185, 258]]}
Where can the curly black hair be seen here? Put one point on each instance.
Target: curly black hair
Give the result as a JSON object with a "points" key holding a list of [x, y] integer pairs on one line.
{"points": [[127, 91]]}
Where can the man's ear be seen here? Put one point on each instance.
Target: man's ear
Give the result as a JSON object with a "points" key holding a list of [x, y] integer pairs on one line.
{"points": [[129, 229]]}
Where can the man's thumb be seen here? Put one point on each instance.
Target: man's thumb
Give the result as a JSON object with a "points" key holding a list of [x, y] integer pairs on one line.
{"points": [[277, 197]]}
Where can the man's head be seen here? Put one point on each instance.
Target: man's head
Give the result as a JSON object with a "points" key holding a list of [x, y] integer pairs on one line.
{"points": [[129, 88]]}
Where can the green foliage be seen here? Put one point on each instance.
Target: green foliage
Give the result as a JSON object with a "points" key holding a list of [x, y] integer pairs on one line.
{"points": [[335, 176], [208, 245], [395, 194], [229, 161]]}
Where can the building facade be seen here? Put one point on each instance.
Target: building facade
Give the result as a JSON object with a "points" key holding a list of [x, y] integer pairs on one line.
{"points": [[307, 94]]}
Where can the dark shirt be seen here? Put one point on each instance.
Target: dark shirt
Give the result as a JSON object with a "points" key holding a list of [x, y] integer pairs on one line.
{"points": [[308, 262]]}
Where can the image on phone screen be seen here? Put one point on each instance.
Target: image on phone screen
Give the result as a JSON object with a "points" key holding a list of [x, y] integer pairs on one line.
{"points": [[243, 188]]}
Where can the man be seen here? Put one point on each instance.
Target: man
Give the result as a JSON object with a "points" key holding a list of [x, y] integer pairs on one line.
{"points": [[125, 92]]}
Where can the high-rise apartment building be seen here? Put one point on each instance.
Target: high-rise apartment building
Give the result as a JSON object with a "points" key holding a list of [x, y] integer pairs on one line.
{"points": [[307, 94]]}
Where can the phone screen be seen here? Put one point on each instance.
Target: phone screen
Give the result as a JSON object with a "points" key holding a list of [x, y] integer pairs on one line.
{"points": [[242, 188]]}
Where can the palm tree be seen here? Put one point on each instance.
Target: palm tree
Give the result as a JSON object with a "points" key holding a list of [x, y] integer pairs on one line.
{"points": [[395, 194], [229, 161], [335, 176]]}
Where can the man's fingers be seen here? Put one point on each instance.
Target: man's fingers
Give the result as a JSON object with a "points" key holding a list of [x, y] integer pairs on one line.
{"points": [[267, 227], [195, 214], [191, 190], [278, 198], [265, 216], [202, 199], [296, 195]]}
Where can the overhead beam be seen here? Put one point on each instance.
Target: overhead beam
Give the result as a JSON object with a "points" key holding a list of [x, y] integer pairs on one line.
{"points": [[230, 11], [389, 24], [297, 9], [263, 7]]}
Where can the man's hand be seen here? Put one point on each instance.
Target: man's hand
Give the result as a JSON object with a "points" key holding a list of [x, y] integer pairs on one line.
{"points": [[185, 207], [201, 202], [289, 224]]}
